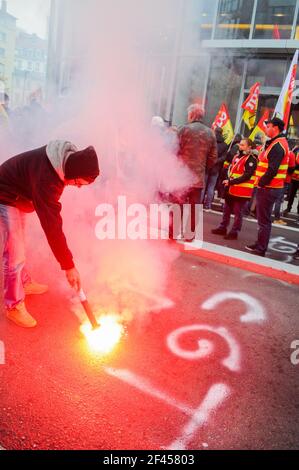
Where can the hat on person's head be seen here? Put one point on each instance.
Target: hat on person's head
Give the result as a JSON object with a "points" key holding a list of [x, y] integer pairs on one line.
{"points": [[83, 164], [276, 121]]}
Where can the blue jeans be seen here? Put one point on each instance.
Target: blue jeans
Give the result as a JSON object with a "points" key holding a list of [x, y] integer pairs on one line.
{"points": [[211, 180], [12, 227], [265, 200], [236, 207]]}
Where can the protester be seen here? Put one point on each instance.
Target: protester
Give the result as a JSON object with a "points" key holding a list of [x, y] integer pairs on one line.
{"points": [[270, 177], [294, 184], [32, 181], [213, 174], [198, 150], [239, 188]]}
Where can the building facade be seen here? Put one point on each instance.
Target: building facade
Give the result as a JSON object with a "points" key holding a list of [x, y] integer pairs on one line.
{"points": [[241, 42], [212, 52], [8, 31], [30, 67]]}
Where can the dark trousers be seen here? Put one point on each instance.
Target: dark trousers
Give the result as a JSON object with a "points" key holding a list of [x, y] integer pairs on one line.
{"points": [[292, 195], [233, 206], [193, 197], [265, 200]]}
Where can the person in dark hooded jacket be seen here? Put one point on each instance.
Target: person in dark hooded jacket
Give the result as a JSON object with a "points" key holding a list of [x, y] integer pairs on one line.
{"points": [[213, 173], [34, 181]]}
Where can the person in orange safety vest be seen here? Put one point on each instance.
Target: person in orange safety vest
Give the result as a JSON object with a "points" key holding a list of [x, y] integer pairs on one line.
{"points": [[239, 188], [271, 174]]}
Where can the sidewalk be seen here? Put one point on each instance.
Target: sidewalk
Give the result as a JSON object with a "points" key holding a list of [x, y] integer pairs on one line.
{"points": [[257, 264]]}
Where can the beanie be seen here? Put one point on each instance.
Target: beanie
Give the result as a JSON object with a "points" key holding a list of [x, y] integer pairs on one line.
{"points": [[82, 164]]}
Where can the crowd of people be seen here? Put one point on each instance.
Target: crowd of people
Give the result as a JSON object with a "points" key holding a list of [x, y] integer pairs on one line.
{"points": [[251, 177]]}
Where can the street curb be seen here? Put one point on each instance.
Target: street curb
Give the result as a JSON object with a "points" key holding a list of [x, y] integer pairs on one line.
{"points": [[238, 259]]}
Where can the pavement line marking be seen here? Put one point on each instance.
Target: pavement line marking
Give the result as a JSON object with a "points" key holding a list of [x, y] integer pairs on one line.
{"points": [[292, 229], [145, 386], [239, 259], [255, 311], [232, 361], [213, 399]]}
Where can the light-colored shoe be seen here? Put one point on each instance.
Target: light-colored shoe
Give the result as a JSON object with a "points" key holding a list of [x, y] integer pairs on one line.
{"points": [[279, 222], [20, 316], [33, 288]]}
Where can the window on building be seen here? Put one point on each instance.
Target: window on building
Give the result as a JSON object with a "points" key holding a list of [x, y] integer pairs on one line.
{"points": [[234, 19], [199, 20], [30, 65], [269, 72], [2, 70], [274, 19], [2, 37], [224, 86], [2, 52], [37, 67]]}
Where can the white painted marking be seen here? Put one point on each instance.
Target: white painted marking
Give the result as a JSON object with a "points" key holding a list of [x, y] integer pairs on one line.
{"points": [[145, 386], [2, 353], [205, 347], [213, 399], [281, 245], [254, 313]]}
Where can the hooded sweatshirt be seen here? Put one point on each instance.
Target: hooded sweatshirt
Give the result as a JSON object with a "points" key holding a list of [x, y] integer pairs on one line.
{"points": [[34, 180]]}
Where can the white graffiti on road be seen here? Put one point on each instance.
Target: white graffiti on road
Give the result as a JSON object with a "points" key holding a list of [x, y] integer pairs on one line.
{"points": [[254, 313], [205, 347], [213, 399], [282, 245], [215, 396], [218, 392]]}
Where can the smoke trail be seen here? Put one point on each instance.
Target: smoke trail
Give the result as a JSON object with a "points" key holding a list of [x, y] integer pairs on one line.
{"points": [[107, 44]]}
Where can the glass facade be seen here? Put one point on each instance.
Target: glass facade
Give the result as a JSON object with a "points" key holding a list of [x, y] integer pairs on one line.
{"points": [[269, 72], [274, 19], [225, 82], [234, 19]]}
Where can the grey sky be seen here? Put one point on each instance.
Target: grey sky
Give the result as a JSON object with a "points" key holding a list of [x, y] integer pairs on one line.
{"points": [[32, 15]]}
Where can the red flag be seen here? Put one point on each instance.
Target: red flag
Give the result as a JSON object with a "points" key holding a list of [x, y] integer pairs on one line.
{"points": [[276, 33]]}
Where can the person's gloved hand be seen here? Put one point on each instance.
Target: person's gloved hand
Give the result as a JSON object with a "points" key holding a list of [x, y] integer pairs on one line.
{"points": [[73, 278]]}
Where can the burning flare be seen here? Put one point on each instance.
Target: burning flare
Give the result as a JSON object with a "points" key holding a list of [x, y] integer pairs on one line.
{"points": [[105, 338]]}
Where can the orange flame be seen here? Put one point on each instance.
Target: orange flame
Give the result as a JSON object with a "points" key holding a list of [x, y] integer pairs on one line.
{"points": [[105, 338]]}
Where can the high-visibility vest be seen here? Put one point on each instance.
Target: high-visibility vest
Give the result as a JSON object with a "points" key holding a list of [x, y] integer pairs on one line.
{"points": [[237, 169], [292, 163], [295, 175], [279, 179]]}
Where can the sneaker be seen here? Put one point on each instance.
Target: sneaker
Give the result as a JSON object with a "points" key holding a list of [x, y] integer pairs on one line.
{"points": [[219, 231], [279, 222], [254, 251], [296, 255], [33, 288], [250, 247], [231, 236], [20, 316], [286, 213]]}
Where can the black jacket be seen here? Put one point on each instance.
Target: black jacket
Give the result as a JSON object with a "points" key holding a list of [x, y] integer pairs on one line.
{"points": [[29, 182]]}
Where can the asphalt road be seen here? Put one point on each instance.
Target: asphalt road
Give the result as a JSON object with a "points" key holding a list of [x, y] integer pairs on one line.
{"points": [[206, 373], [283, 243]]}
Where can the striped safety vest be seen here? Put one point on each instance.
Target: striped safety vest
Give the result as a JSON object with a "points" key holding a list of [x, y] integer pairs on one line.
{"points": [[237, 169], [295, 175], [278, 180]]}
